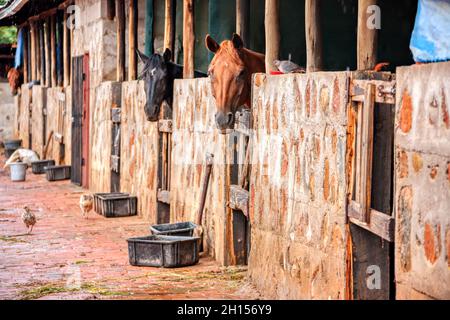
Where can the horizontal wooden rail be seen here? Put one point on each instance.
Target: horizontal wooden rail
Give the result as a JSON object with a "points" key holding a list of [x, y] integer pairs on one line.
{"points": [[381, 224]]}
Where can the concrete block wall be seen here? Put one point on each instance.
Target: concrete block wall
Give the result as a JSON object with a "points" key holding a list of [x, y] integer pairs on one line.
{"points": [[298, 186], [423, 182]]}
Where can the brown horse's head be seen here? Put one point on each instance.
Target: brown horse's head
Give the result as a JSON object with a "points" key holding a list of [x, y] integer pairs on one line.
{"points": [[14, 79], [230, 72]]}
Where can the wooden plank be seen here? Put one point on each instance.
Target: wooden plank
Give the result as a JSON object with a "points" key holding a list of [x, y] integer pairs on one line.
{"points": [[314, 52], [272, 27], [120, 22], [38, 51], [239, 199], [367, 152], [367, 38], [53, 49], [381, 224], [169, 25], [41, 52], [164, 196], [243, 20], [188, 39], [132, 39]]}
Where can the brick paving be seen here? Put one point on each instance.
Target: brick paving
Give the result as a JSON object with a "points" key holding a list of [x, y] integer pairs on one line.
{"points": [[68, 257]]}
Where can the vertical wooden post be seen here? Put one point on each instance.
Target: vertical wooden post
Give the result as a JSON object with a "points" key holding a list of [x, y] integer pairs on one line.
{"points": [[272, 25], [25, 55], [314, 53], [42, 49], [132, 40], [188, 39], [120, 21], [367, 38], [169, 26], [48, 59], [53, 49], [33, 51], [66, 50], [37, 49], [243, 19]]}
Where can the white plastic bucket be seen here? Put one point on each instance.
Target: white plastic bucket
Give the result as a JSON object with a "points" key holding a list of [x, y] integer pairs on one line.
{"points": [[18, 171]]}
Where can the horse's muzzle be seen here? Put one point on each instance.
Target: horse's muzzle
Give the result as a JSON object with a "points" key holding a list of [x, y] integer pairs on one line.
{"points": [[225, 120], [152, 114]]}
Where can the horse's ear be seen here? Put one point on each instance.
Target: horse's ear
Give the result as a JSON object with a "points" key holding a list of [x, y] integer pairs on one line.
{"points": [[211, 44], [237, 41], [142, 56], [167, 55]]}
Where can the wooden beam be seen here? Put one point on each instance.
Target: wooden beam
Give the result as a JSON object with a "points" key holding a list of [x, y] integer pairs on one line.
{"points": [[25, 54], [43, 53], [272, 26], [39, 56], [314, 52], [120, 24], [60, 51], [242, 20], [132, 39], [33, 51], [48, 59], [367, 38], [53, 49], [188, 39], [367, 152], [381, 224], [66, 50], [169, 26]]}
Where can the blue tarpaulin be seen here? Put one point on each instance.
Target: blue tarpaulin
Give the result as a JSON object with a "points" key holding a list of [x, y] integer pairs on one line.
{"points": [[430, 40], [19, 51]]}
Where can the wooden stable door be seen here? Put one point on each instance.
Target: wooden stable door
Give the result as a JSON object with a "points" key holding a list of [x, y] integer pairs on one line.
{"points": [[77, 115], [80, 121], [85, 124]]}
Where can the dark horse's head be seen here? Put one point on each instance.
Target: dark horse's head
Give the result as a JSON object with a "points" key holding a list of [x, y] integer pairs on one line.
{"points": [[158, 78]]}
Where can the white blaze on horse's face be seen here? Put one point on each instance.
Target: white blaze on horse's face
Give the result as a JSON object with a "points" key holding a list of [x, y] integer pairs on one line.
{"points": [[152, 72]]}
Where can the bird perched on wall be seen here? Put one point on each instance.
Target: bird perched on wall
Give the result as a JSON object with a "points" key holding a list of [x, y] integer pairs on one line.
{"points": [[287, 66], [86, 204], [28, 218]]}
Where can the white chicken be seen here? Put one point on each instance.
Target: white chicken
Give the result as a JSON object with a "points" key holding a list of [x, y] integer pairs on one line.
{"points": [[86, 204], [28, 218]]}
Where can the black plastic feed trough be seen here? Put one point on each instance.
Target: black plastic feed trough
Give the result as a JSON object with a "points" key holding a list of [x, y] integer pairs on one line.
{"points": [[114, 205], [163, 251], [58, 173], [183, 229], [38, 167]]}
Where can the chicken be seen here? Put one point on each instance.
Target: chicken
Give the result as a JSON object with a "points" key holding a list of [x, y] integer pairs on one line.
{"points": [[288, 66], [86, 204], [28, 218]]}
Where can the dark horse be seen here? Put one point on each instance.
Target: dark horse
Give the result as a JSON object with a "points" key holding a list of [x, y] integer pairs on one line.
{"points": [[159, 74]]}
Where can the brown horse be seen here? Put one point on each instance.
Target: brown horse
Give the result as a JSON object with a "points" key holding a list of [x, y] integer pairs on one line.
{"points": [[231, 73], [14, 79]]}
